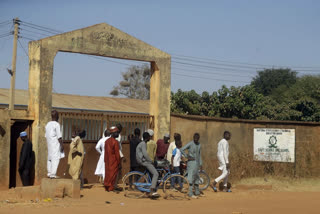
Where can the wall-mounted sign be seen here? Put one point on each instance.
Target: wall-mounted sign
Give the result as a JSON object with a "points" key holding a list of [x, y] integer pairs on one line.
{"points": [[274, 144]]}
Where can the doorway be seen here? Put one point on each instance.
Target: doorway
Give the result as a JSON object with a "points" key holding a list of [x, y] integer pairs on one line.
{"points": [[15, 149]]}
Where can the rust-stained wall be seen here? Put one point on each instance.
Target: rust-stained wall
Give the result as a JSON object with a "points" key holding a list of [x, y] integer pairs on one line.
{"points": [[241, 145]]}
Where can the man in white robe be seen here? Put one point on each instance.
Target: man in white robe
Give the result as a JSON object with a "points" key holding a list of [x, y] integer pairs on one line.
{"points": [[100, 170], [223, 158], [55, 145]]}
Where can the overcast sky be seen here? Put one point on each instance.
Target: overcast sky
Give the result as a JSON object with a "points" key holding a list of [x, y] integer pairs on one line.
{"points": [[215, 34]]}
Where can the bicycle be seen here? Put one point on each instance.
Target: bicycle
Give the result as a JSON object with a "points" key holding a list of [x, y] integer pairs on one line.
{"points": [[137, 184]]}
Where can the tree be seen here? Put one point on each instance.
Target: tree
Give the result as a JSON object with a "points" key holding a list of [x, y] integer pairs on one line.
{"points": [[270, 79], [135, 83]]}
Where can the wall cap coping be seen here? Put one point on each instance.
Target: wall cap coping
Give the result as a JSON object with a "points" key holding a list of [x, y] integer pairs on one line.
{"points": [[233, 120]]}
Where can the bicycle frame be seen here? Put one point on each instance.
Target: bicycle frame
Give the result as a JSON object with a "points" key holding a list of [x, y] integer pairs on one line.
{"points": [[145, 187]]}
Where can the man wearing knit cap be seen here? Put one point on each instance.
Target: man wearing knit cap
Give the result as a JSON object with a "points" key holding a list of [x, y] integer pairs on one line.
{"points": [[151, 146], [25, 162], [111, 160]]}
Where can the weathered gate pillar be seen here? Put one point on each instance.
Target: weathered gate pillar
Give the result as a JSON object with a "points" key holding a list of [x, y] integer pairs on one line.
{"points": [[100, 40], [160, 92], [40, 101]]}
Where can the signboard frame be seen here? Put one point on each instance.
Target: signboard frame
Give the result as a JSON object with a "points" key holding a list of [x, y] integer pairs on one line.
{"points": [[274, 145]]}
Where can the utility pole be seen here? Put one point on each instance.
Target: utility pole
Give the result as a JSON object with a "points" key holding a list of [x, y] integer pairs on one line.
{"points": [[14, 59]]}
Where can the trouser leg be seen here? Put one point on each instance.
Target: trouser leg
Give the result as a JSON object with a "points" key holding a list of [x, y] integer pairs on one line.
{"points": [[54, 167], [223, 175], [178, 179], [49, 168], [196, 182], [196, 189], [154, 173], [190, 193], [225, 180], [174, 180]]}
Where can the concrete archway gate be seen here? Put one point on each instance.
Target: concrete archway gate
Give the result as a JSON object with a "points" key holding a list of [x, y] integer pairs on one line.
{"points": [[100, 40]]}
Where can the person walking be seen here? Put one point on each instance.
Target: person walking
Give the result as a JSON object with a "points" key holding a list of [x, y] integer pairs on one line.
{"points": [[223, 158]]}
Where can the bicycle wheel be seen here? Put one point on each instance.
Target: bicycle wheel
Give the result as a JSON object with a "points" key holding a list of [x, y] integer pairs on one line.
{"points": [[129, 187], [204, 180], [176, 190]]}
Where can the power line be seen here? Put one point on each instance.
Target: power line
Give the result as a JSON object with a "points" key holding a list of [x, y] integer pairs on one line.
{"points": [[36, 28], [23, 48], [204, 72], [34, 32], [206, 66], [109, 60], [202, 63], [230, 69], [208, 78], [5, 23], [5, 35], [3, 32], [214, 63], [27, 38], [242, 63], [39, 27], [30, 35]]}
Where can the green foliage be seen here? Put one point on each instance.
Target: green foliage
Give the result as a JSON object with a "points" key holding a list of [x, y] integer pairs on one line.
{"points": [[290, 98], [269, 79]]}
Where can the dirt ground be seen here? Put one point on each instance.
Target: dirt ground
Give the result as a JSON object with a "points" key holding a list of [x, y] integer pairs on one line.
{"points": [[260, 196]]}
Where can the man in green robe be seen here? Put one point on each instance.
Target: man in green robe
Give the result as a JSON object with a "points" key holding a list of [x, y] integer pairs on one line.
{"points": [[194, 164]]}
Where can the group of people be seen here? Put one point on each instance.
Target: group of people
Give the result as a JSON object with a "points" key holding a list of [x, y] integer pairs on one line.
{"points": [[143, 155], [145, 152], [56, 150]]}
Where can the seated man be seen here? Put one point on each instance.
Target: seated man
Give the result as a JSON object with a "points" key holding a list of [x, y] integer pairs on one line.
{"points": [[144, 160]]}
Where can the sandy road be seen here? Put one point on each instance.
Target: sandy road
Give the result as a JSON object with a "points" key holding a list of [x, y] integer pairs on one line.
{"points": [[240, 201]]}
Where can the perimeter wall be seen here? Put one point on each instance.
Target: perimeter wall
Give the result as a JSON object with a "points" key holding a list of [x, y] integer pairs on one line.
{"points": [[241, 145]]}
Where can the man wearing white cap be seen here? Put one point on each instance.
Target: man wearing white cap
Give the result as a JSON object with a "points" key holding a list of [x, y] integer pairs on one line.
{"points": [[151, 146], [55, 144], [25, 162]]}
